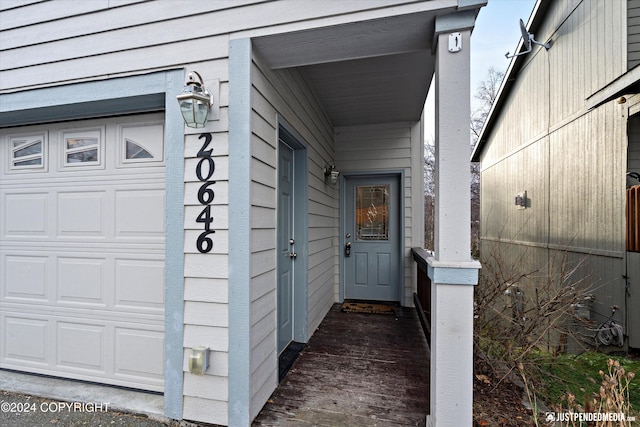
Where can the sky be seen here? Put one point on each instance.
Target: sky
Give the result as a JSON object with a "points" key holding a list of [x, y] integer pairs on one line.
{"points": [[497, 32]]}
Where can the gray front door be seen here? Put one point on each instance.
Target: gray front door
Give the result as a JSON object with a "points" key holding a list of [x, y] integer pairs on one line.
{"points": [[286, 245], [372, 238]]}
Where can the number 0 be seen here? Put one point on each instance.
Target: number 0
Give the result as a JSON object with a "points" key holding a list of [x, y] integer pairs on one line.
{"points": [[211, 167]]}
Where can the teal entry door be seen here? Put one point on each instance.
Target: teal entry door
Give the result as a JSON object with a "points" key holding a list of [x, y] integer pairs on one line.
{"points": [[285, 245], [372, 238]]}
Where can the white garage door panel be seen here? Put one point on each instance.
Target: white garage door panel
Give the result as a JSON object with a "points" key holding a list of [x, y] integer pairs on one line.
{"points": [[85, 284], [106, 351], [81, 280], [81, 346], [139, 284], [82, 250], [25, 277], [95, 214], [25, 214], [82, 213], [137, 213], [139, 354], [25, 340]]}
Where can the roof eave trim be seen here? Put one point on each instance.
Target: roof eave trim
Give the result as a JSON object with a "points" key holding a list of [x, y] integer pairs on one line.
{"points": [[615, 89]]}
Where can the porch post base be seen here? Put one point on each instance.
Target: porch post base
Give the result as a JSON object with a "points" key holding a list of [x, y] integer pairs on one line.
{"points": [[452, 342], [429, 422]]}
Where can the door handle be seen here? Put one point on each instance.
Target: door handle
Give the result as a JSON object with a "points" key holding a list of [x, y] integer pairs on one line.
{"points": [[293, 255], [347, 249]]}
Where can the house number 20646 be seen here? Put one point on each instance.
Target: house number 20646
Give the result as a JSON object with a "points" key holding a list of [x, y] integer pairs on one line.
{"points": [[204, 171]]}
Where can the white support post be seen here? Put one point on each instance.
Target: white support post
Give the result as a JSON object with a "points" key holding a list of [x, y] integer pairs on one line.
{"points": [[452, 271]]}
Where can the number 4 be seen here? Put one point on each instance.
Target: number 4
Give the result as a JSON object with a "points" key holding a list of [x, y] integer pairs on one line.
{"points": [[205, 217]]}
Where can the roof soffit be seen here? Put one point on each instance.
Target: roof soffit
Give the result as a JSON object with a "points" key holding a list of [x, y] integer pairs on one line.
{"points": [[369, 71]]}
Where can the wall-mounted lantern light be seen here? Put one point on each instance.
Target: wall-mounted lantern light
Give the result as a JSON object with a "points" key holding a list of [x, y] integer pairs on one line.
{"points": [[195, 101], [331, 174]]}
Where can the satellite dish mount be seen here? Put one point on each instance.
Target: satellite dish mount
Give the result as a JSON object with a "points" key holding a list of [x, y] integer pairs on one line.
{"points": [[528, 40]]}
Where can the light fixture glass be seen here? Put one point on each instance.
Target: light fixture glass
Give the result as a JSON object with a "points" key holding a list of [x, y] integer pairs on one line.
{"points": [[332, 174], [334, 177], [195, 101]]}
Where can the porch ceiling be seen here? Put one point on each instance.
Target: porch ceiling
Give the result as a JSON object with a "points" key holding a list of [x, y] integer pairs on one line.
{"points": [[363, 72]]}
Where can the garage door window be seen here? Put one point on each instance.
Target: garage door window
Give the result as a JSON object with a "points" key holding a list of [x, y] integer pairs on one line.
{"points": [[141, 144], [136, 151], [27, 152], [82, 148]]}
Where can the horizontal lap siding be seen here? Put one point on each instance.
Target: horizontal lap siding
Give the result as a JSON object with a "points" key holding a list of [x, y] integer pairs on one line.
{"points": [[285, 93], [206, 284], [66, 40], [381, 147]]}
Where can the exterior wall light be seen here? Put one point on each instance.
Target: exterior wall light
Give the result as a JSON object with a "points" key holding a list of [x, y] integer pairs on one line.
{"points": [[521, 200], [195, 101], [332, 174]]}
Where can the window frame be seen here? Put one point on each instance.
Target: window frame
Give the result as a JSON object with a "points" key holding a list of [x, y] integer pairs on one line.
{"points": [[35, 137], [97, 132], [123, 162]]}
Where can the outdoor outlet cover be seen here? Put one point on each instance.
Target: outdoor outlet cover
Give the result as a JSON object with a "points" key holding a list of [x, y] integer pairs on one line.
{"points": [[199, 360]]}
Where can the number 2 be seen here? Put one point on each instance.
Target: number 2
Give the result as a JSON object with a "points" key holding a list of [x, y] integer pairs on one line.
{"points": [[207, 140]]}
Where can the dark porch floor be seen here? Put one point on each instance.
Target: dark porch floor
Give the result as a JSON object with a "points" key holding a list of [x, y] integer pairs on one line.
{"points": [[356, 370]]}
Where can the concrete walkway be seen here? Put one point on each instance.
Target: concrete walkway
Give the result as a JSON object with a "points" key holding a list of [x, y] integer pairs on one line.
{"points": [[34, 400]]}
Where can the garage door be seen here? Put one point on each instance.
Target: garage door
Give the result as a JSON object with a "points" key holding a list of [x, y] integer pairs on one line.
{"points": [[82, 250]]}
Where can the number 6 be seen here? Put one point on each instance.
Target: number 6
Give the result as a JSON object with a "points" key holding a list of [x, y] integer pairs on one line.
{"points": [[206, 195], [204, 243]]}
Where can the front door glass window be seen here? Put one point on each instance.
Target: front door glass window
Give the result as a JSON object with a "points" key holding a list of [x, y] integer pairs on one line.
{"points": [[372, 212]]}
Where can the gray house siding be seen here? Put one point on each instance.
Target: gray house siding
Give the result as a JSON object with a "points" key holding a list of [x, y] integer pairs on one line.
{"points": [[285, 94], [570, 160], [48, 45], [633, 33], [633, 159]]}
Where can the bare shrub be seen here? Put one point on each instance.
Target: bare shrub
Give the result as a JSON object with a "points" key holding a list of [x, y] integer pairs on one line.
{"points": [[612, 399], [524, 314]]}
